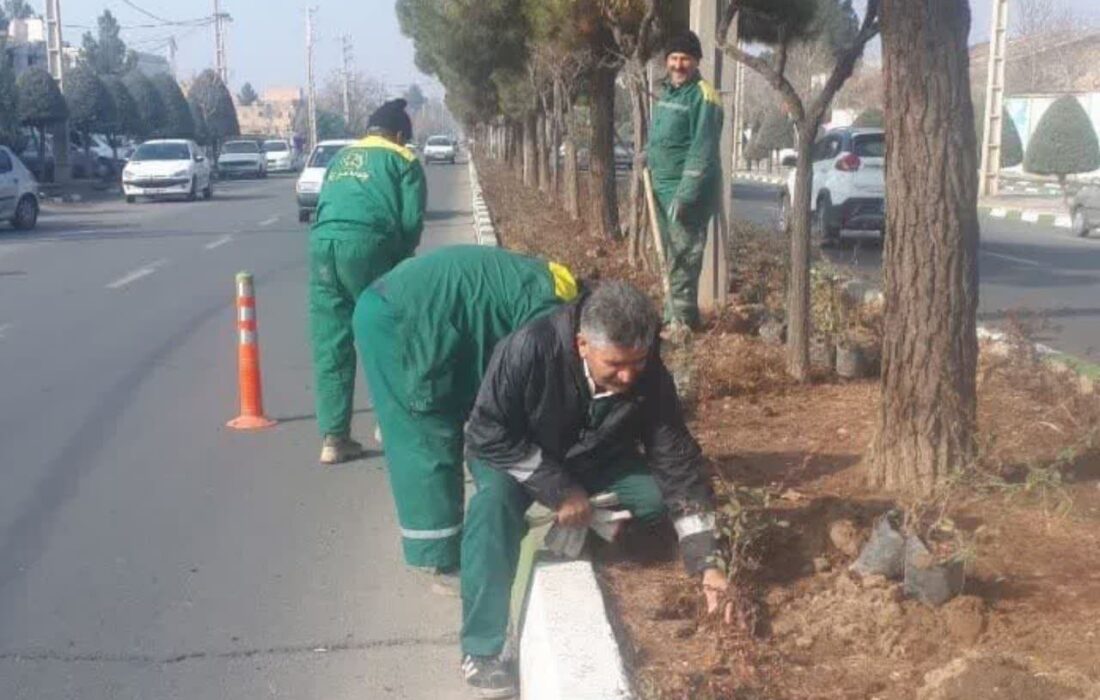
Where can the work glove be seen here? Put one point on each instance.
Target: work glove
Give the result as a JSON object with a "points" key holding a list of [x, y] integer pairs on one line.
{"points": [[568, 542]]}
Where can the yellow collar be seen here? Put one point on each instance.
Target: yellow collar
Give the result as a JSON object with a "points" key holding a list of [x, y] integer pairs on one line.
{"points": [[379, 142]]}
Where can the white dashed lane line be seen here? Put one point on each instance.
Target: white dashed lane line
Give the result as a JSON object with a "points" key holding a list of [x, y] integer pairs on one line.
{"points": [[137, 274], [4, 328], [1012, 259], [218, 243], [269, 222]]}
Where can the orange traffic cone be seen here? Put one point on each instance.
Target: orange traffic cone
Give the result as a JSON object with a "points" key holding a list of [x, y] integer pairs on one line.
{"points": [[248, 360]]}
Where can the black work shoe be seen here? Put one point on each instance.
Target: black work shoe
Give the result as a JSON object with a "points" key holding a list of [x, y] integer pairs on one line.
{"points": [[489, 676]]}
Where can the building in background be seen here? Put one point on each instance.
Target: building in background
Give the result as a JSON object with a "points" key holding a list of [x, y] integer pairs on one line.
{"points": [[273, 113], [26, 49]]}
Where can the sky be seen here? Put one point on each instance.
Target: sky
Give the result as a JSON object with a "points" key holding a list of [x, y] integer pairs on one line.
{"points": [[266, 39]]}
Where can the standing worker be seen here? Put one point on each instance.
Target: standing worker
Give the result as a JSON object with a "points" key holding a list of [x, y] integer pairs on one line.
{"points": [[440, 316], [369, 218], [573, 404], [683, 157]]}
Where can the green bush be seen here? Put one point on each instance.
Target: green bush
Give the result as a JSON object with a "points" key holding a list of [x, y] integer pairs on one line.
{"points": [[1064, 142]]}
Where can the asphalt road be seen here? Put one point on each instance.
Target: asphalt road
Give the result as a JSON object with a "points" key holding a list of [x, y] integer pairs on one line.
{"points": [[146, 551], [1025, 270]]}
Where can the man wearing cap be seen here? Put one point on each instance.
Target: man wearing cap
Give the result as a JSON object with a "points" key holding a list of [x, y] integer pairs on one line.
{"points": [[369, 218], [441, 315], [683, 157]]}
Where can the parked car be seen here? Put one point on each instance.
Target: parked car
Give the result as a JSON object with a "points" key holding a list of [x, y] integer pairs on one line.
{"points": [[280, 156], [308, 187], [1085, 210], [849, 183], [18, 192], [167, 167], [42, 168], [439, 149], [582, 157], [624, 156], [240, 158]]}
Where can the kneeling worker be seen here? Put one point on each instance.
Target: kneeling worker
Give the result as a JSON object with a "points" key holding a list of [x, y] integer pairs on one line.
{"points": [[573, 404], [425, 332]]}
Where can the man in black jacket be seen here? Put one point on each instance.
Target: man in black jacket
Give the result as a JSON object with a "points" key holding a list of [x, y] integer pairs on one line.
{"points": [[575, 403]]}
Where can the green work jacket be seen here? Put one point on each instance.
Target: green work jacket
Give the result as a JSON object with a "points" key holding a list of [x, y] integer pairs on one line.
{"points": [[683, 153], [373, 188]]}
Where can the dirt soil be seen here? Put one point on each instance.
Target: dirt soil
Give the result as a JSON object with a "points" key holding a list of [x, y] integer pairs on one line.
{"points": [[1028, 622]]}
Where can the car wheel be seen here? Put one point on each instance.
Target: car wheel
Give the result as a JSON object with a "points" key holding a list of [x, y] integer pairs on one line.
{"points": [[194, 193], [1079, 224], [130, 199], [26, 214], [822, 221], [303, 216]]}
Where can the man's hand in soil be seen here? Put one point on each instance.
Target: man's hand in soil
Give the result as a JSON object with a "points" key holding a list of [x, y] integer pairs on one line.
{"points": [[575, 510], [715, 587]]}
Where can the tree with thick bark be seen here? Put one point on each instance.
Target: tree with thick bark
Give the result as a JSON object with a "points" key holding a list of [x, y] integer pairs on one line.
{"points": [[786, 25], [928, 411]]}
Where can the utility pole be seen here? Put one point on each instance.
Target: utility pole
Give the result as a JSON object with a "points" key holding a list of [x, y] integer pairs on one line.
{"points": [[55, 60], [311, 95], [345, 42], [221, 64], [738, 108], [173, 66], [714, 280], [989, 181]]}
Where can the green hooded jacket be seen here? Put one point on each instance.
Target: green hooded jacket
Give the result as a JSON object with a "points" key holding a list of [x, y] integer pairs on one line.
{"points": [[683, 150], [373, 188]]}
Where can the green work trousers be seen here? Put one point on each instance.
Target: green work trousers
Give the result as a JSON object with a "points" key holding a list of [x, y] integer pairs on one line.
{"points": [[495, 527], [423, 444], [684, 242], [339, 271]]}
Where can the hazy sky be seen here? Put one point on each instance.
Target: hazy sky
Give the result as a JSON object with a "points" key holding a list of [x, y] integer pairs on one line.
{"points": [[266, 40], [267, 37]]}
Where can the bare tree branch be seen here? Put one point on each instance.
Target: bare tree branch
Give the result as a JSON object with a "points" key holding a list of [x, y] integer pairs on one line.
{"points": [[778, 81]]}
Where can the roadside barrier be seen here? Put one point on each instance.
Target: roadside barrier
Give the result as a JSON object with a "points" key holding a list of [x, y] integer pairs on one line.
{"points": [[248, 360]]}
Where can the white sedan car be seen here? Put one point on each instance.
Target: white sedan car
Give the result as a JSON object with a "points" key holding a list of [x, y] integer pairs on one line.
{"points": [[313, 176], [280, 155], [18, 192], [439, 149], [167, 167]]}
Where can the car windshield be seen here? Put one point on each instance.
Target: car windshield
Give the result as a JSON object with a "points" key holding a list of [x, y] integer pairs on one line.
{"points": [[241, 147], [323, 154], [870, 146], [162, 151], [275, 146], [439, 141]]}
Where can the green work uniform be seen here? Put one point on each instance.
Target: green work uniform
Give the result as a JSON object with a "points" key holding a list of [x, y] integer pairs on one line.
{"points": [[369, 218], [683, 157], [496, 527], [425, 332]]}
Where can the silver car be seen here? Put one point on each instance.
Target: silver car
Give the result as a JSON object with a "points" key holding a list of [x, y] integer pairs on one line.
{"points": [[1085, 211]]}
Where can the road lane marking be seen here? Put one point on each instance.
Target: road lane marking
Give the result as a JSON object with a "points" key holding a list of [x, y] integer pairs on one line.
{"points": [[218, 243], [1013, 258], [4, 328], [137, 274], [269, 222]]}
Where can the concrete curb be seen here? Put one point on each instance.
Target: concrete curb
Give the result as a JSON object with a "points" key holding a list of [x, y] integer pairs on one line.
{"points": [[563, 601], [753, 177], [1029, 216], [484, 231]]}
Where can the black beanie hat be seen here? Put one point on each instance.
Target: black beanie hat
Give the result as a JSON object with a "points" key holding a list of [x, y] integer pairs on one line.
{"points": [[685, 42], [391, 116]]}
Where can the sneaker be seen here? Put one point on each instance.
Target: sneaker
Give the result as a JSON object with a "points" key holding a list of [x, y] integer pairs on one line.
{"points": [[335, 449], [489, 676], [444, 582]]}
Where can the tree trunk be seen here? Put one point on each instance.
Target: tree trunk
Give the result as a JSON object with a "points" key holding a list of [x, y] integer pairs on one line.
{"points": [[601, 156], [555, 141], [639, 119], [572, 178], [928, 413], [798, 282], [542, 143], [530, 150]]}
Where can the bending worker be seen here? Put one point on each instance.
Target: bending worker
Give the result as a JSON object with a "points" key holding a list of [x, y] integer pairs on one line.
{"points": [[575, 403], [426, 331], [369, 218], [683, 157]]}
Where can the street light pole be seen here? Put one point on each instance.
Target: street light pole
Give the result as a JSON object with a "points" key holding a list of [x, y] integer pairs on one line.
{"points": [[220, 62], [345, 41], [311, 96], [989, 183]]}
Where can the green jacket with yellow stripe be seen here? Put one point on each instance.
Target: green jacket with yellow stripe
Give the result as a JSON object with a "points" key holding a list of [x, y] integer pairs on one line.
{"points": [[683, 152], [373, 187]]}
